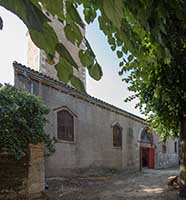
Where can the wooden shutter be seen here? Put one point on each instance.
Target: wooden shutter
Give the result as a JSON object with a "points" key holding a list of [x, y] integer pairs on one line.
{"points": [[117, 136], [65, 126]]}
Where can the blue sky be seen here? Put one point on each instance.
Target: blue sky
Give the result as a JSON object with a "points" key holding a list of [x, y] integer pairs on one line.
{"points": [[13, 46]]}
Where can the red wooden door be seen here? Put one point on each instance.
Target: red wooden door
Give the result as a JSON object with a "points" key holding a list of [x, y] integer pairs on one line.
{"points": [[151, 158], [140, 158]]}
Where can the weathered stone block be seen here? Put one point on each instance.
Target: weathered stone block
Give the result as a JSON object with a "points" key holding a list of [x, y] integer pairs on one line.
{"points": [[22, 178]]}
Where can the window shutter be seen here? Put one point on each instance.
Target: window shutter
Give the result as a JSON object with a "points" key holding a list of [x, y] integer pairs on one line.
{"points": [[117, 136], [65, 126]]}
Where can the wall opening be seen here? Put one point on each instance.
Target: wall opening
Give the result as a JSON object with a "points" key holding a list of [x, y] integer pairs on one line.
{"points": [[145, 155], [146, 148]]}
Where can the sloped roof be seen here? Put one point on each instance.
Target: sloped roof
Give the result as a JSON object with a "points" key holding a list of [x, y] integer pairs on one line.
{"points": [[64, 88]]}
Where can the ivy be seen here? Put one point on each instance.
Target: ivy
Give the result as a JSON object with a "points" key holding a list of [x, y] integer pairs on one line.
{"points": [[22, 120]]}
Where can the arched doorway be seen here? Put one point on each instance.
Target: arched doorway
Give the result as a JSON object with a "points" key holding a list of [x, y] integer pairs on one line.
{"points": [[146, 148]]}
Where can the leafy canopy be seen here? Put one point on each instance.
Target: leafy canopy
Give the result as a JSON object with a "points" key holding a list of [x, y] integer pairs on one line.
{"points": [[22, 120], [38, 16], [148, 36], [149, 39]]}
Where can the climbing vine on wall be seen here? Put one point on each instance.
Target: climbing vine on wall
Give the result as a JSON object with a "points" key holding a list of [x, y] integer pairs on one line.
{"points": [[22, 120]]}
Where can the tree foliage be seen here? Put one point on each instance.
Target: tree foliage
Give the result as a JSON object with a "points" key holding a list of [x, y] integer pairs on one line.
{"points": [[22, 120], [1, 23], [149, 39], [147, 36], [38, 16]]}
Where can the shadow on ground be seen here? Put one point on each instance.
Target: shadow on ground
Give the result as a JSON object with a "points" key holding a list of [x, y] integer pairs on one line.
{"points": [[148, 185]]}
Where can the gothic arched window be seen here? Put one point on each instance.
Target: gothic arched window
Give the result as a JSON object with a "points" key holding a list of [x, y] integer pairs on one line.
{"points": [[146, 136], [117, 136], [65, 125]]}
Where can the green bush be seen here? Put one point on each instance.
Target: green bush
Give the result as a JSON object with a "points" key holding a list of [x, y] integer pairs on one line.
{"points": [[22, 120]]}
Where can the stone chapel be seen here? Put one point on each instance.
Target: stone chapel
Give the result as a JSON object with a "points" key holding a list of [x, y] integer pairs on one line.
{"points": [[89, 132]]}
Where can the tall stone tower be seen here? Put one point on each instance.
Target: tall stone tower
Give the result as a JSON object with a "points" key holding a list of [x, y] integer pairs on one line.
{"points": [[36, 58]]}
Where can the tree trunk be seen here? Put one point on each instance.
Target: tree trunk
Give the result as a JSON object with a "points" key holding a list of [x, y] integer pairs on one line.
{"points": [[182, 191]]}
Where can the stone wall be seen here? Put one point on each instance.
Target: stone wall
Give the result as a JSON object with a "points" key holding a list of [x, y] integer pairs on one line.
{"points": [[93, 144], [36, 171], [170, 158], [22, 178], [33, 54], [13, 176], [36, 58], [93, 128]]}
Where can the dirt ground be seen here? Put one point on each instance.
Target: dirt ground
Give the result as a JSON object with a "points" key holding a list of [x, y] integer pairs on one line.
{"points": [[147, 185]]}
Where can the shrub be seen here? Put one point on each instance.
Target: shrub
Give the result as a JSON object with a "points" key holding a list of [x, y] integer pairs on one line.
{"points": [[22, 120]]}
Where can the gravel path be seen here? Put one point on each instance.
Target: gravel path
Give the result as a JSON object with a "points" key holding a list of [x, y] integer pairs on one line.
{"points": [[148, 185]]}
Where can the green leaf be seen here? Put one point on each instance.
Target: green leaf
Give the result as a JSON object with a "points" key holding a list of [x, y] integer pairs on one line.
{"points": [[64, 53], [119, 54], [22, 117], [113, 47], [121, 64], [111, 40], [119, 42], [89, 47], [121, 72], [1, 23], [124, 49], [30, 14], [73, 15], [167, 58], [90, 14], [86, 58], [73, 33], [114, 11], [130, 58], [64, 70], [56, 9], [45, 40], [95, 71], [50, 59], [77, 83]]}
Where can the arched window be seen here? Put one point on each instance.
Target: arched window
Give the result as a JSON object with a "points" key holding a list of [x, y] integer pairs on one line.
{"points": [[117, 136], [65, 125], [164, 148], [175, 147], [146, 136]]}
